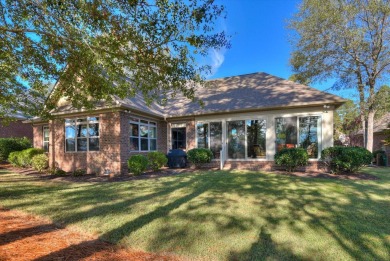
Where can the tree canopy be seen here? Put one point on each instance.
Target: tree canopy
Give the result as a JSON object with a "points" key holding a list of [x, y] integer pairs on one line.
{"points": [[97, 49], [347, 40]]}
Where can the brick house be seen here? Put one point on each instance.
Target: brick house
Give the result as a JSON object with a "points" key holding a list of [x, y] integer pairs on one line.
{"points": [[247, 118], [16, 128]]}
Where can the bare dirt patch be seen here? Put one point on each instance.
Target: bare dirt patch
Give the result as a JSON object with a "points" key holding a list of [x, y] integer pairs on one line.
{"points": [[27, 237]]}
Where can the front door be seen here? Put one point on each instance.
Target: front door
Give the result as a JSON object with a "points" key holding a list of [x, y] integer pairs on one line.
{"points": [[179, 138]]}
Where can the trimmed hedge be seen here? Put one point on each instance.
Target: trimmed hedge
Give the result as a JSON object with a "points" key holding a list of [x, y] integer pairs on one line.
{"points": [[292, 158], [24, 158], [346, 159], [8, 145], [40, 162], [137, 164], [199, 156], [13, 158], [157, 160], [79, 172]]}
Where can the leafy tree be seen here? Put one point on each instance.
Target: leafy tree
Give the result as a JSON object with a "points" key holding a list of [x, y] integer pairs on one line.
{"points": [[348, 40], [97, 49]]}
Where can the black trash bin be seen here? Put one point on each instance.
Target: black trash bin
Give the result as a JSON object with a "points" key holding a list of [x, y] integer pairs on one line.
{"points": [[177, 159]]}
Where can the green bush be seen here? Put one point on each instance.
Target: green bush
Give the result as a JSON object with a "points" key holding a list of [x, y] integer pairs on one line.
{"points": [[199, 156], [79, 172], [292, 158], [57, 172], [346, 159], [157, 160], [137, 164], [380, 155], [8, 145], [25, 156], [13, 158], [40, 162]]}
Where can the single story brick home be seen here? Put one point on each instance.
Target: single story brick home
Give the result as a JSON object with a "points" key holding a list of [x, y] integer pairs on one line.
{"points": [[16, 128], [245, 120]]}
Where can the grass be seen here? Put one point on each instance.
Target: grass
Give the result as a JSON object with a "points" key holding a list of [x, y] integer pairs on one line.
{"points": [[221, 215]]}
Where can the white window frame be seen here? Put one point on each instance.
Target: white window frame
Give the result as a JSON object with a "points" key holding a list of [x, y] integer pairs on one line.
{"points": [[75, 123], [147, 123], [46, 127]]}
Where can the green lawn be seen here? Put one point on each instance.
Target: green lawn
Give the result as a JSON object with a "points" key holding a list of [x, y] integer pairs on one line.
{"points": [[221, 215]]}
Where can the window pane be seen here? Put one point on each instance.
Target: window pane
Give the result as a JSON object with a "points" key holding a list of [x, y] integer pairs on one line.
{"points": [[216, 138], [143, 131], [70, 132], [93, 129], [153, 144], [93, 119], [309, 133], [144, 144], [82, 130], [152, 132], [82, 120], [202, 130], [69, 122], [134, 130], [256, 130], [143, 121], [46, 146], [70, 145], [46, 133], [134, 144], [286, 132], [93, 144], [82, 144], [236, 139], [152, 123]]}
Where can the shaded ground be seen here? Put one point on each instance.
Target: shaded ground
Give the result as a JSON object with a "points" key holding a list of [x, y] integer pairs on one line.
{"points": [[27, 237]]}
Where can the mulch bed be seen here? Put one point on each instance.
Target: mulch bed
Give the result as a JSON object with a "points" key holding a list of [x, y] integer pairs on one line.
{"points": [[27, 237], [344, 176]]}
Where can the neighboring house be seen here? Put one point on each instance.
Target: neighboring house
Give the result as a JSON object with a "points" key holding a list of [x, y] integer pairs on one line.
{"points": [[16, 128], [248, 117], [380, 126]]}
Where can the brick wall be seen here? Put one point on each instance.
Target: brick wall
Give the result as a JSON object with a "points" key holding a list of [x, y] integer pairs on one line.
{"points": [[37, 136], [16, 129], [190, 134]]}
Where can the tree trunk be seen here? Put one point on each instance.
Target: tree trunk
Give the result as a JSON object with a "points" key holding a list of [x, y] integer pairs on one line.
{"points": [[370, 131], [364, 130]]}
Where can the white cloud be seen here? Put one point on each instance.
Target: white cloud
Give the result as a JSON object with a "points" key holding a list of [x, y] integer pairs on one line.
{"points": [[217, 58]]}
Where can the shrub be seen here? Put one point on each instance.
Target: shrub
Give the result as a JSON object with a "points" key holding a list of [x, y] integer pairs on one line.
{"points": [[79, 172], [40, 162], [346, 159], [57, 172], [25, 156], [137, 164], [13, 158], [8, 145], [199, 156], [292, 158], [380, 157], [157, 160]]}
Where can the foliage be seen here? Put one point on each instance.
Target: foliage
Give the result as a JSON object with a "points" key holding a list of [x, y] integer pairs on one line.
{"points": [[8, 145], [382, 159], [348, 41], [26, 156], [137, 164], [13, 158], [157, 160], [346, 159], [199, 156], [57, 172], [40, 162], [79, 172], [346, 122], [292, 158], [147, 47], [387, 135]]}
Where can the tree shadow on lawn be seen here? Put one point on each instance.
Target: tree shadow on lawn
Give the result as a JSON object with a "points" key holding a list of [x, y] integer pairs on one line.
{"points": [[343, 210]]}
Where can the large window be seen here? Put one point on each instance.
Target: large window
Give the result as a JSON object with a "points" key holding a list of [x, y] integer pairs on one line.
{"points": [[246, 139], [304, 132], [82, 134], [143, 135], [209, 135], [45, 131], [179, 138]]}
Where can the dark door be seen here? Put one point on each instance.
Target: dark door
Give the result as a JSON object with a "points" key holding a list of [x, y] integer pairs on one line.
{"points": [[178, 138]]}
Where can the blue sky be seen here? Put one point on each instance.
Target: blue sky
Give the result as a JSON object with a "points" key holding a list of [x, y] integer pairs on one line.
{"points": [[259, 39]]}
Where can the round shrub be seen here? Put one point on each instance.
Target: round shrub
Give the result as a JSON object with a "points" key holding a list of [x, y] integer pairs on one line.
{"points": [[137, 164], [292, 158], [79, 172], [13, 158], [157, 160], [40, 162], [25, 156], [199, 156], [346, 159], [8, 145], [57, 172]]}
